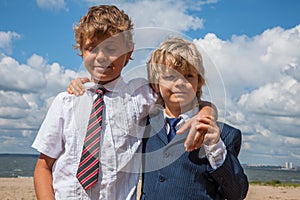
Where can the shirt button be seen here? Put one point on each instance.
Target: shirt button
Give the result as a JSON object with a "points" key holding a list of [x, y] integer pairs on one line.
{"points": [[111, 169], [162, 179], [166, 154]]}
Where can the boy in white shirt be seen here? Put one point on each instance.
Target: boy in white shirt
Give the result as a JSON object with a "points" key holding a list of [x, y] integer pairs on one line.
{"points": [[104, 39]]}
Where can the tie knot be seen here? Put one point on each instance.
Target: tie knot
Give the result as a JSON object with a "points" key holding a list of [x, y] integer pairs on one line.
{"points": [[100, 91], [173, 121]]}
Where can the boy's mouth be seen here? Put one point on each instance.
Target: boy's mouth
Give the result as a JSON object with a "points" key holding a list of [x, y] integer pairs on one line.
{"points": [[102, 68], [179, 92]]}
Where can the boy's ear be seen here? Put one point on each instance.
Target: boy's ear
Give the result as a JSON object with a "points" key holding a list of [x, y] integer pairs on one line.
{"points": [[156, 88], [129, 55]]}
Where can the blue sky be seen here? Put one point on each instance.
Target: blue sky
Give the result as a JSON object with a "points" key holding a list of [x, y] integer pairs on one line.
{"points": [[253, 46]]}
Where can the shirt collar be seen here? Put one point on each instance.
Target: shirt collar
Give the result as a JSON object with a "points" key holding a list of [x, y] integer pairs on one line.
{"points": [[184, 117], [113, 86], [187, 115]]}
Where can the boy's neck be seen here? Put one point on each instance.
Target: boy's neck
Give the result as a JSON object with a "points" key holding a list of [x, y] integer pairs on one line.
{"points": [[103, 82], [175, 111]]}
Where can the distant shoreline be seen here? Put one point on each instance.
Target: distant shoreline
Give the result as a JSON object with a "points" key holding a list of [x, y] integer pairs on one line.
{"points": [[274, 183], [245, 166], [23, 165], [271, 167], [20, 154]]}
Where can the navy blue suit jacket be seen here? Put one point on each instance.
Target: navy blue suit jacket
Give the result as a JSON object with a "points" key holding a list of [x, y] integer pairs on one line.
{"points": [[169, 172]]}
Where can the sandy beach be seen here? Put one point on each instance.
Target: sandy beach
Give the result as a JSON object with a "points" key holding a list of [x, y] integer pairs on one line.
{"points": [[22, 189]]}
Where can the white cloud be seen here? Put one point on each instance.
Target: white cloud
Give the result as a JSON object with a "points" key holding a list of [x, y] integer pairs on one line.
{"points": [[6, 140], [292, 70], [27, 133], [165, 14], [12, 99], [20, 77], [248, 63], [279, 98], [6, 39], [52, 4], [261, 78], [27, 90]]}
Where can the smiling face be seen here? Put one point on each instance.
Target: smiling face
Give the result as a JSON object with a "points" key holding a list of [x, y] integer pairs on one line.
{"points": [[176, 73], [178, 90], [105, 56]]}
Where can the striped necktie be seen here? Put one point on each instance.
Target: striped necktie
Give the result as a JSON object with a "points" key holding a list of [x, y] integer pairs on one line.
{"points": [[172, 122], [88, 169]]}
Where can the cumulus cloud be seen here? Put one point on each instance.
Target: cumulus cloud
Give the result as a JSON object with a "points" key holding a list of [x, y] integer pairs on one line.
{"points": [[279, 99], [52, 4], [247, 63], [27, 90], [6, 39], [167, 13], [292, 70], [261, 80], [15, 76]]}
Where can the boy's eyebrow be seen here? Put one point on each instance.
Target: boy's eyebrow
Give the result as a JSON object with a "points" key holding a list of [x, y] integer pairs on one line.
{"points": [[109, 41]]}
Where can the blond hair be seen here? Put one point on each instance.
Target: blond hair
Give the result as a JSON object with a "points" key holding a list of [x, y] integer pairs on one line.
{"points": [[101, 21], [179, 54]]}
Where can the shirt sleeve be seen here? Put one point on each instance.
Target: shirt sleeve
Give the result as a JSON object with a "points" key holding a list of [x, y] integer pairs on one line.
{"points": [[216, 154], [49, 140]]}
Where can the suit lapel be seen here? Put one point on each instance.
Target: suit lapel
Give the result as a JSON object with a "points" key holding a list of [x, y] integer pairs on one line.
{"points": [[158, 125]]}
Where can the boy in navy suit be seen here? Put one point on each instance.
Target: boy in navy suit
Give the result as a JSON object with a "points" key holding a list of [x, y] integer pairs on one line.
{"points": [[176, 74]]}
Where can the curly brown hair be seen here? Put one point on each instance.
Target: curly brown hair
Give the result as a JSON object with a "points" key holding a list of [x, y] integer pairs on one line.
{"points": [[103, 20]]}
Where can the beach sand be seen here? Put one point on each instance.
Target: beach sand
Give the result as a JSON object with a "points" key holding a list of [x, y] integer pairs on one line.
{"points": [[22, 189]]}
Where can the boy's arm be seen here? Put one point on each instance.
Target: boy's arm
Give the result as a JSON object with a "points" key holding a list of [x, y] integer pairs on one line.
{"points": [[208, 108], [43, 178], [195, 137], [230, 175]]}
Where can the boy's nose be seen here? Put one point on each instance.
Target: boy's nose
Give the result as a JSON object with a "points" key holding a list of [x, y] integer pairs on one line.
{"points": [[180, 81], [101, 56]]}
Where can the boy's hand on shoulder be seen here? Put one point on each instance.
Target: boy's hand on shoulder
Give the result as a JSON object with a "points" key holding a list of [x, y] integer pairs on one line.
{"points": [[76, 86]]}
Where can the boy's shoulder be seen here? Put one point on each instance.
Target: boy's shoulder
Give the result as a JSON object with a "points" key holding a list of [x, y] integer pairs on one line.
{"points": [[139, 83], [64, 98], [132, 86]]}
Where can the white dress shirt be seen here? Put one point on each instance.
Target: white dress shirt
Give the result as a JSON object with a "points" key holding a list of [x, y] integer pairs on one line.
{"points": [[61, 136]]}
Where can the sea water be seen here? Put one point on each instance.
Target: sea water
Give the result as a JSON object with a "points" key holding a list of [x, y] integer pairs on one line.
{"points": [[22, 165]]}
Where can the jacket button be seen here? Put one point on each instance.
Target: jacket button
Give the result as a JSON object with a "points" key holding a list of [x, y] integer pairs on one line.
{"points": [[162, 179]]}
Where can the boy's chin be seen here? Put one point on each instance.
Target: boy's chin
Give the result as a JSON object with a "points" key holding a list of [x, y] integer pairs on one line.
{"points": [[103, 80]]}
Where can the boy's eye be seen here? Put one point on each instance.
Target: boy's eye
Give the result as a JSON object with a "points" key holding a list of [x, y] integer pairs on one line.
{"points": [[169, 77], [107, 50], [188, 76], [110, 49]]}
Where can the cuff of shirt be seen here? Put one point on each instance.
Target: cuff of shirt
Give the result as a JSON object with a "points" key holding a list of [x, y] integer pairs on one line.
{"points": [[216, 154]]}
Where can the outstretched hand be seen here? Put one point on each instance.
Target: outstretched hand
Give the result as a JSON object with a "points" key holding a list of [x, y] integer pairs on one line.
{"points": [[203, 130]]}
